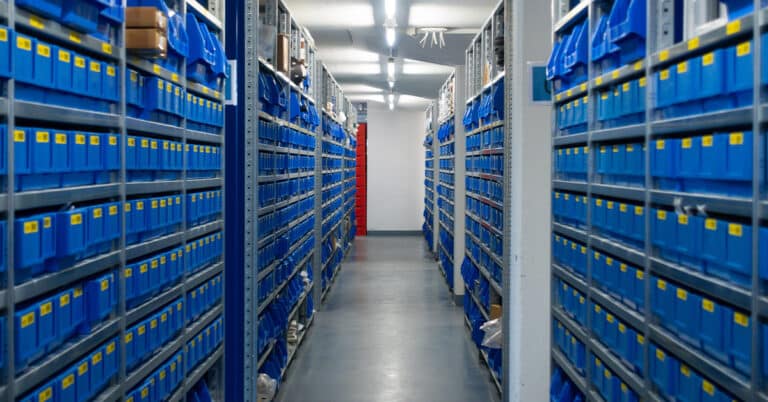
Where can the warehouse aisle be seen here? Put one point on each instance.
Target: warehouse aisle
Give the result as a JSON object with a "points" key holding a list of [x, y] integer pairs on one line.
{"points": [[388, 332]]}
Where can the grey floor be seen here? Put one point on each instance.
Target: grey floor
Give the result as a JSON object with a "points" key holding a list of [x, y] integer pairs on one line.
{"points": [[388, 332]]}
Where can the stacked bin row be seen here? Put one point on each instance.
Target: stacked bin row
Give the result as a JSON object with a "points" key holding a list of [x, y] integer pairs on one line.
{"points": [[150, 276], [718, 80], [622, 221], [716, 246], [145, 338], [490, 239], [203, 207], [203, 160], [562, 389], [83, 380], [446, 263], [281, 219], [491, 164], [573, 302], [571, 163], [623, 281], [161, 383], [573, 115], [490, 215], [282, 163], [476, 284], [286, 263], [621, 164], [573, 349], [147, 218], [484, 260], [608, 384], [622, 104], [56, 75], [271, 193], [204, 344], [570, 254], [203, 251], [50, 242], [148, 159], [204, 297], [486, 140], [719, 163], [50, 158], [41, 327], [674, 379], [491, 189], [275, 134], [273, 322], [447, 178], [570, 208], [446, 220], [720, 331], [622, 340]]}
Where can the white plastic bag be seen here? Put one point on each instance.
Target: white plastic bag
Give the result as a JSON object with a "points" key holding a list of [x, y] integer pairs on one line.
{"points": [[266, 387], [492, 338]]}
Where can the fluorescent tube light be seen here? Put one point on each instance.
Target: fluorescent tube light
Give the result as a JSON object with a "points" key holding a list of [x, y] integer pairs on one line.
{"points": [[390, 8]]}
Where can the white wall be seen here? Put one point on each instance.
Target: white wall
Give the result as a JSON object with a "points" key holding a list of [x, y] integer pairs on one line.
{"points": [[395, 169]]}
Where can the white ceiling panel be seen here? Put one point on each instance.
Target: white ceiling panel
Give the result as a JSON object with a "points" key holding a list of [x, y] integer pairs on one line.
{"points": [[333, 13], [465, 14], [334, 54], [353, 68]]}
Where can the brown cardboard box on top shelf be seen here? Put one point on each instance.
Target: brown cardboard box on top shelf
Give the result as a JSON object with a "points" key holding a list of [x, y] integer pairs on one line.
{"points": [[495, 311], [283, 62], [146, 17], [146, 42]]}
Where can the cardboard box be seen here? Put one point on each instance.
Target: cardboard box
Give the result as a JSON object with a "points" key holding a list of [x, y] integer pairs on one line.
{"points": [[283, 62], [146, 17], [146, 42], [495, 311]]}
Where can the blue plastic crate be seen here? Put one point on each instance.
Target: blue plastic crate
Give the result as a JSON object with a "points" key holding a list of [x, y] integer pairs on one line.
{"points": [[66, 389], [664, 371], [739, 82], [739, 332], [690, 384], [83, 379], [7, 37]]}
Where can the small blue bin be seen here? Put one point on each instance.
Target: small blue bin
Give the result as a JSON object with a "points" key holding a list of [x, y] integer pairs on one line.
{"points": [[664, 371]]}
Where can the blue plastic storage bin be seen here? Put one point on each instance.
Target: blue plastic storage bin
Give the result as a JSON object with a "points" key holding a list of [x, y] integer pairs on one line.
{"points": [[627, 22]]}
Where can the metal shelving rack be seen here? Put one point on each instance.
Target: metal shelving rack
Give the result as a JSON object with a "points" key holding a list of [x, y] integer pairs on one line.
{"points": [[259, 145], [430, 187], [483, 283], [662, 52], [16, 112], [445, 168]]}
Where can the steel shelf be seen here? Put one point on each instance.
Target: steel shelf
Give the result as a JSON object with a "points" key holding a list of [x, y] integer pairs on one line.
{"points": [[299, 342], [150, 246], [64, 115], [571, 93], [625, 314], [3, 14], [197, 326], [618, 250], [204, 229], [444, 226], [446, 157], [724, 377], [331, 186], [333, 229], [264, 355], [619, 75], [62, 196], [263, 305], [150, 127], [563, 185], [482, 129], [568, 231], [614, 363], [734, 30], [3, 105], [571, 139], [266, 239], [111, 394], [65, 356], [568, 276], [202, 136], [496, 287], [285, 150], [485, 200], [284, 123], [203, 90], [446, 185], [148, 367], [151, 187], [442, 247], [276, 178], [619, 192], [711, 203], [197, 184], [476, 301], [484, 223], [81, 270], [572, 16], [495, 378], [446, 199], [576, 329], [618, 133], [486, 176], [198, 372], [570, 371], [741, 117], [301, 300], [274, 207], [43, 27], [197, 279], [137, 313], [708, 285], [149, 67]]}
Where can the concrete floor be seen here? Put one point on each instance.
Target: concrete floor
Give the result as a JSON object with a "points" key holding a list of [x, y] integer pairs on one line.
{"points": [[388, 332]]}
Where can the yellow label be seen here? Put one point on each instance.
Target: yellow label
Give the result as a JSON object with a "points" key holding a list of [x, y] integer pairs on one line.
{"points": [[160, 85], [144, 392], [661, 284], [743, 49], [623, 207], [597, 255], [168, 87], [622, 328], [687, 143], [733, 27], [111, 71], [569, 92], [735, 229], [79, 62], [96, 359], [128, 272], [142, 329], [106, 48], [661, 215], [708, 59], [162, 375], [162, 203], [113, 210], [599, 81], [583, 87], [164, 317], [609, 205], [42, 137], [682, 68], [685, 370], [660, 145], [75, 37], [154, 204], [708, 387], [23, 43], [625, 87], [609, 318], [97, 213], [3, 35], [80, 139], [173, 367], [682, 294], [607, 374], [67, 381], [47, 222], [27, 319], [598, 309], [153, 144], [95, 66], [175, 77], [664, 75], [660, 354], [134, 76], [111, 348], [693, 43], [132, 142], [682, 219], [60, 138], [153, 264], [706, 141], [642, 82], [153, 324], [77, 292], [64, 300], [710, 224], [615, 74], [638, 211], [45, 395], [82, 369], [36, 22], [140, 206], [143, 268], [162, 260], [46, 309], [736, 139], [19, 136], [31, 227], [609, 261], [640, 339], [95, 140], [104, 285], [741, 319]]}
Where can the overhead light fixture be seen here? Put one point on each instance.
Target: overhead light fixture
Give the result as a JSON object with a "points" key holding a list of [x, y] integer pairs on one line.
{"points": [[391, 69], [391, 84], [391, 97], [390, 35], [390, 8]]}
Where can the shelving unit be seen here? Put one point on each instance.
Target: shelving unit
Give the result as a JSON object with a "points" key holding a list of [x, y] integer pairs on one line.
{"points": [[99, 248], [484, 214], [445, 162], [666, 159], [430, 187]]}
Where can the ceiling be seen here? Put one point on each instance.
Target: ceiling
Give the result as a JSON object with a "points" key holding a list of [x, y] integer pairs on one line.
{"points": [[350, 38]]}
